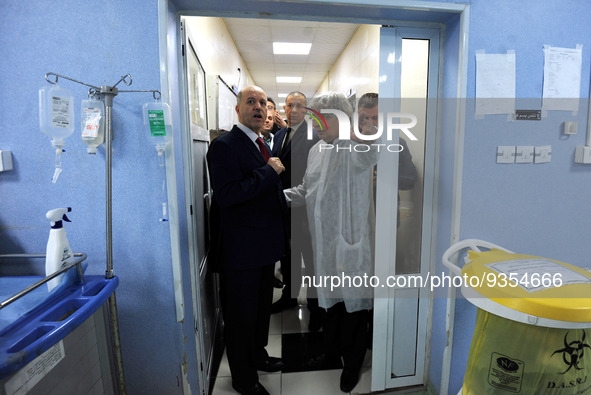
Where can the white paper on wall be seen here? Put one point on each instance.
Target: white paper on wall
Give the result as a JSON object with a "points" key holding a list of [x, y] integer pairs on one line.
{"points": [[562, 78], [495, 83]]}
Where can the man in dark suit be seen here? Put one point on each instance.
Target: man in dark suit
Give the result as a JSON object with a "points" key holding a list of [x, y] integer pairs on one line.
{"points": [[247, 202], [278, 122], [291, 145]]}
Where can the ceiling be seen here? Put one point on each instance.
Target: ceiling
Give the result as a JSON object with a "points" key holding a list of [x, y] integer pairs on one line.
{"points": [[254, 40]]}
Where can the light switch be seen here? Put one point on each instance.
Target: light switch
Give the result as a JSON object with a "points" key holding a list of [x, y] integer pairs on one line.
{"points": [[524, 154], [569, 127], [543, 154], [505, 154], [5, 160], [583, 154]]}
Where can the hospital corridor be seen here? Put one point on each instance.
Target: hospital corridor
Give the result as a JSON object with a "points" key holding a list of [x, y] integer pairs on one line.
{"points": [[289, 334], [295, 197]]}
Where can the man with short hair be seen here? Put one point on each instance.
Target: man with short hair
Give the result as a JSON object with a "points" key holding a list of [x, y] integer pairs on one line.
{"points": [[247, 201], [266, 134], [278, 121], [407, 172]]}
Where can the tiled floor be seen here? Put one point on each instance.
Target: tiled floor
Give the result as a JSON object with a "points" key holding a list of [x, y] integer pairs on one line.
{"points": [[324, 382]]}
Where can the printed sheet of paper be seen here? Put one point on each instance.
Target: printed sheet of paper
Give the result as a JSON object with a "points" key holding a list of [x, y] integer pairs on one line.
{"points": [[495, 83], [24, 380], [562, 78]]}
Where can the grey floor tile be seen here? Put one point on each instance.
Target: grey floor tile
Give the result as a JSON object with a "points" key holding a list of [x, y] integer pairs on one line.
{"points": [[324, 382]]}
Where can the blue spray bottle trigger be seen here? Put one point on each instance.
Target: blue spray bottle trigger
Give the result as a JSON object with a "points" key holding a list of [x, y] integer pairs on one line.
{"points": [[66, 218]]}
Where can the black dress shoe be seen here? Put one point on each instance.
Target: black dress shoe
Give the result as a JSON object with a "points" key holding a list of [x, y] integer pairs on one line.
{"points": [[315, 322], [270, 365], [256, 389], [349, 379], [317, 361], [277, 283], [282, 304]]}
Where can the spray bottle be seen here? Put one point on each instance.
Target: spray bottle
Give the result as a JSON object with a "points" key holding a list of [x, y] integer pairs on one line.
{"points": [[58, 253], [56, 119]]}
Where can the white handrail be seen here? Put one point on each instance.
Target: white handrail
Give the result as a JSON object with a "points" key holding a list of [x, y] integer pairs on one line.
{"points": [[472, 244]]}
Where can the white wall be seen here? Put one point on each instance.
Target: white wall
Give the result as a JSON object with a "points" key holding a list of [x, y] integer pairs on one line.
{"points": [[358, 66], [217, 51]]}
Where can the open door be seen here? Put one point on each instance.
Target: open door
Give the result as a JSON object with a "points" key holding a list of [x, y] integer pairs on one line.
{"points": [[204, 281], [405, 231]]}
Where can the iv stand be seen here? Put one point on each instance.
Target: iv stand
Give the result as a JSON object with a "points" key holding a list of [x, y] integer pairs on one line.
{"points": [[108, 93]]}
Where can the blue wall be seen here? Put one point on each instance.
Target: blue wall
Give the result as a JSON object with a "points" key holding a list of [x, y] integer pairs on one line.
{"points": [[538, 209], [95, 42]]}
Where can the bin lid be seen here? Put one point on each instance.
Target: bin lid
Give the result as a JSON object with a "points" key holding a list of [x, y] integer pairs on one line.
{"points": [[533, 285]]}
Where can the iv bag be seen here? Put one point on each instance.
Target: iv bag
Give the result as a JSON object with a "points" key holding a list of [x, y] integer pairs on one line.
{"points": [[93, 124], [158, 124], [56, 113]]}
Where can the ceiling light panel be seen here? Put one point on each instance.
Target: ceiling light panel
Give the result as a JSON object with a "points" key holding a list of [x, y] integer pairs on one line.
{"points": [[283, 48], [289, 80]]}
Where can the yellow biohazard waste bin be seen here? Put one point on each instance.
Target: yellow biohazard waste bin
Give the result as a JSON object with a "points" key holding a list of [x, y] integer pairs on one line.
{"points": [[533, 323]]}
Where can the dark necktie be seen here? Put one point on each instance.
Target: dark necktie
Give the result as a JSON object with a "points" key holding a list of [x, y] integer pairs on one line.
{"points": [[263, 149], [288, 135]]}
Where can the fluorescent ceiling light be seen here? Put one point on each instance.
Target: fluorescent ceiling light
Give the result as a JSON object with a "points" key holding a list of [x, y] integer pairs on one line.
{"points": [[282, 95], [291, 48], [289, 80]]}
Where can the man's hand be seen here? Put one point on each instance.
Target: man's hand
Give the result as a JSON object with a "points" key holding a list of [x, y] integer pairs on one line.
{"points": [[276, 164], [366, 127], [279, 121]]}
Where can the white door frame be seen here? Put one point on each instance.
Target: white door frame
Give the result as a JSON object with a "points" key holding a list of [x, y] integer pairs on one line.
{"points": [[402, 314], [171, 86]]}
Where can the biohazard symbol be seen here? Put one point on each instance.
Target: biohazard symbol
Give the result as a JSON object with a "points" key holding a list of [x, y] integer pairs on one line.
{"points": [[573, 352]]}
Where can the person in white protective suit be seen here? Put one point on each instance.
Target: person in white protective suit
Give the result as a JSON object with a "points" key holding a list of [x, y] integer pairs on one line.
{"points": [[337, 190]]}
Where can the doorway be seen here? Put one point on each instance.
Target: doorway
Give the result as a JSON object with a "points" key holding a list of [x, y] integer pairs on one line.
{"points": [[425, 256]]}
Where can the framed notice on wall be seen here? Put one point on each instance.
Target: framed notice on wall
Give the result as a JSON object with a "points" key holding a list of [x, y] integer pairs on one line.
{"points": [[226, 106], [196, 90]]}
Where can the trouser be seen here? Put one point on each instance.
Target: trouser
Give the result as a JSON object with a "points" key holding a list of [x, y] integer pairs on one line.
{"points": [[246, 298], [291, 263], [291, 268], [345, 334]]}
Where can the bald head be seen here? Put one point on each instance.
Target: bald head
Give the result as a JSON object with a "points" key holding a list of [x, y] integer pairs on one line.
{"points": [[252, 107]]}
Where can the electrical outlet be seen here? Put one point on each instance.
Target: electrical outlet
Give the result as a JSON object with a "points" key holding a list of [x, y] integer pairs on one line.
{"points": [[524, 154], [505, 154], [543, 154]]}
